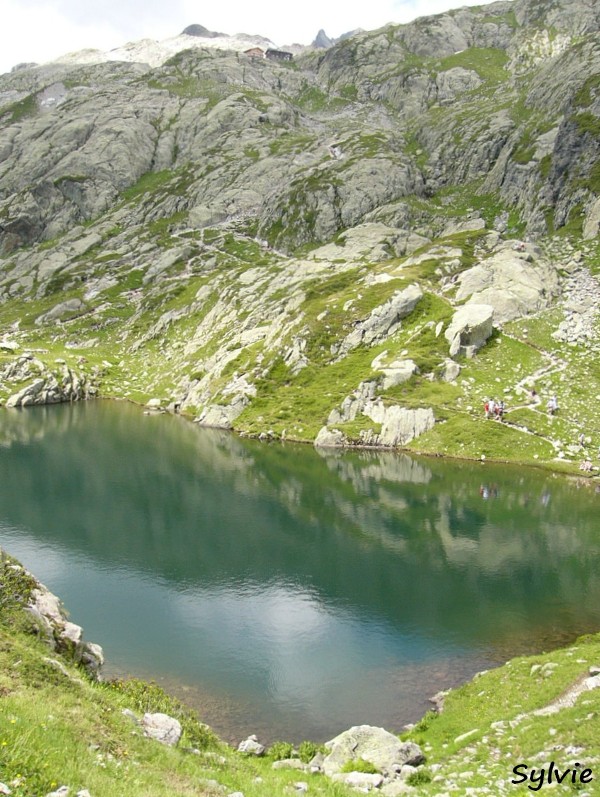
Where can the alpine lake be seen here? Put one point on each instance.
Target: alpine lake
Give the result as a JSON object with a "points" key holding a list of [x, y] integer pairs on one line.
{"points": [[285, 591]]}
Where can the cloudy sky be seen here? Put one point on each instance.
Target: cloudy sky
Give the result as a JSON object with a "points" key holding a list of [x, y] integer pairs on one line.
{"points": [[40, 30]]}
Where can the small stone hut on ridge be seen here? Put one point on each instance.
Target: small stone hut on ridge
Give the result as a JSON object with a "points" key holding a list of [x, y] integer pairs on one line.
{"points": [[279, 55]]}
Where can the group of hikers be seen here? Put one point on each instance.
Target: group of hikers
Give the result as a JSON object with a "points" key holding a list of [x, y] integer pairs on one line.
{"points": [[494, 409], [551, 406]]}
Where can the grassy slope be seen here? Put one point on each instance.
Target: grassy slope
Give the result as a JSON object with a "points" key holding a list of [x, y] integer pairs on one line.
{"points": [[495, 710]]}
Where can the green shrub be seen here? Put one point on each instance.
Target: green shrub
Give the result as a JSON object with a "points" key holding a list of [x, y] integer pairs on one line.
{"points": [[360, 765], [587, 122], [15, 588], [280, 750], [425, 721], [419, 778], [308, 750]]}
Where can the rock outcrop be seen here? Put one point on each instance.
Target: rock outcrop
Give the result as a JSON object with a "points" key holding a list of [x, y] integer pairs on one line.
{"points": [[514, 282], [61, 634], [397, 425], [470, 328], [50, 387], [251, 746], [162, 728], [383, 320], [375, 745]]}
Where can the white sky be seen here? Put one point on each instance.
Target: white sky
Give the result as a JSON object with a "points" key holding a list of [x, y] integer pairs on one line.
{"points": [[40, 30]]}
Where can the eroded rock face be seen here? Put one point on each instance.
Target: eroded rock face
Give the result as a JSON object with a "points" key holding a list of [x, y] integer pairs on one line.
{"points": [[376, 745], [222, 416], [383, 320], [469, 329], [399, 425], [330, 438], [50, 387], [61, 634]]}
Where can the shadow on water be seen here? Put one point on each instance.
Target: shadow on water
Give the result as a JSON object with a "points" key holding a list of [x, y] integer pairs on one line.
{"points": [[287, 590]]}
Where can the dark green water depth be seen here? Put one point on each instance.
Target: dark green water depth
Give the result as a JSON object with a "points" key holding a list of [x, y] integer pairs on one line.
{"points": [[284, 591]]}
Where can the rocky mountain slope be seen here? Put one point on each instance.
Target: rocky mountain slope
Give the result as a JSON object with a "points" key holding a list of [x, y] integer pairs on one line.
{"points": [[357, 246]]}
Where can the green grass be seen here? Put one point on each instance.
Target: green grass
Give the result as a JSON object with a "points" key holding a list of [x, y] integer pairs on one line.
{"points": [[585, 95], [148, 183], [587, 122], [488, 62], [488, 708], [22, 109], [472, 438]]}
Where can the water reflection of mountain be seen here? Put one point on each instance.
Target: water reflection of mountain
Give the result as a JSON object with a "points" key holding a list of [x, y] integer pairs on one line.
{"points": [[410, 542]]}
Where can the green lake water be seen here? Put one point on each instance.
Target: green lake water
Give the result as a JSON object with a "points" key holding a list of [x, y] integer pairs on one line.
{"points": [[285, 591]]}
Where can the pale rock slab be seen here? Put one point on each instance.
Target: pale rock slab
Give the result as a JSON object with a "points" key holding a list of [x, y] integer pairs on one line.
{"points": [[165, 729], [329, 438], [251, 746], [383, 320], [384, 750], [469, 329], [514, 282]]}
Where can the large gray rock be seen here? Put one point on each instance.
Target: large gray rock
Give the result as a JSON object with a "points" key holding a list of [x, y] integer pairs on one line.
{"points": [[397, 372], [451, 371], [222, 416], [469, 329], [251, 746], [330, 438], [591, 227], [376, 745], [27, 395], [62, 310], [399, 425], [513, 282], [165, 729]]}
